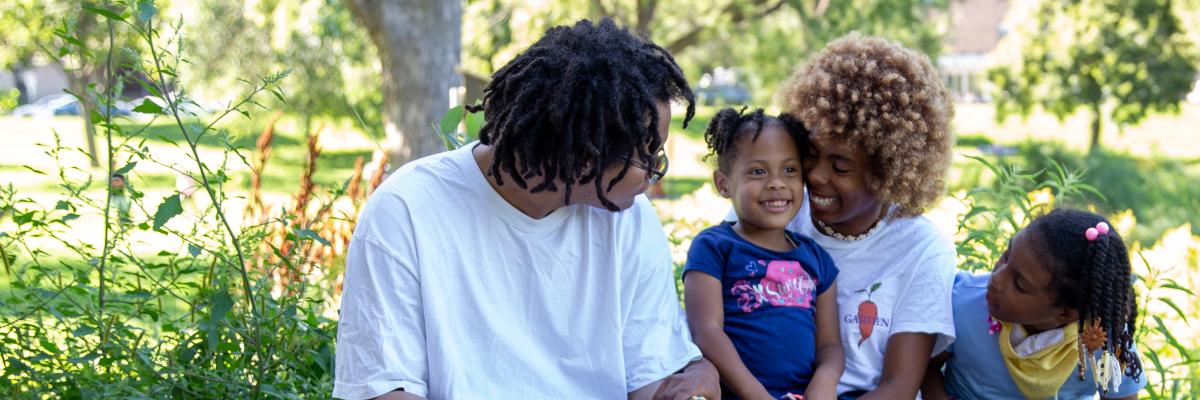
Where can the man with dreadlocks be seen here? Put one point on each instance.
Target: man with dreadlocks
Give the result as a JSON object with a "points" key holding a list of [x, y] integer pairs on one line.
{"points": [[529, 264]]}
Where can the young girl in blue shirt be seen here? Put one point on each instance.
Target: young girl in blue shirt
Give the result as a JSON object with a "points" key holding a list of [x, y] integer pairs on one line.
{"points": [[1055, 319], [761, 301]]}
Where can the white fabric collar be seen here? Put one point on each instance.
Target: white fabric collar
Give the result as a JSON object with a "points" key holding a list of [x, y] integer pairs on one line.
{"points": [[1025, 345]]}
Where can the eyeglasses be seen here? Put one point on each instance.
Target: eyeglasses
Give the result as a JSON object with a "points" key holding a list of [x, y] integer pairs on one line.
{"points": [[659, 169]]}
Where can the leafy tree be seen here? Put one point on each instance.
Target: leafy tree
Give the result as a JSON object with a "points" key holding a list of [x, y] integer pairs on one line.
{"points": [[333, 66], [39, 31], [68, 33], [767, 38], [1120, 59]]}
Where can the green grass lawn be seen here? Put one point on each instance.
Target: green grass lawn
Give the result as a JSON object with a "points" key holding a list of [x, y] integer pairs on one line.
{"points": [[166, 144]]}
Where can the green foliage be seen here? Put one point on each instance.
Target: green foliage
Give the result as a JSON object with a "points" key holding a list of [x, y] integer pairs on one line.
{"points": [[202, 315], [1162, 193], [766, 39], [8, 100], [1119, 59], [996, 212], [333, 63], [449, 131]]}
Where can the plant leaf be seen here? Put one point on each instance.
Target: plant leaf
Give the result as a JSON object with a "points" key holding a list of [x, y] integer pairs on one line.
{"points": [[103, 12], [128, 167], [169, 208], [309, 234], [148, 107], [146, 10], [451, 119], [1178, 310]]}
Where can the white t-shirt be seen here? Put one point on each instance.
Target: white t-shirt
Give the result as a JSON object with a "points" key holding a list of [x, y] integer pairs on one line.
{"points": [[913, 265], [452, 293]]}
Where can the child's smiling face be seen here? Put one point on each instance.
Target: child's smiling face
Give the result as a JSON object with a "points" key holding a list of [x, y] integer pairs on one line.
{"points": [[1019, 290], [765, 179], [836, 174]]}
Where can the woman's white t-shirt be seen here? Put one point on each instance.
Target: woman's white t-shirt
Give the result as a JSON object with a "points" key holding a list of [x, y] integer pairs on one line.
{"points": [[905, 270]]}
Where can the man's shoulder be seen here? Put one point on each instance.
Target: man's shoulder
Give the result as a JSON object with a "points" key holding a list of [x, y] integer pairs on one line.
{"points": [[417, 186], [444, 165]]}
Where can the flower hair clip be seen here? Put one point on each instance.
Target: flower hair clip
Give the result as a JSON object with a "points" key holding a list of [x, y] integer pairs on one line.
{"points": [[1101, 229]]}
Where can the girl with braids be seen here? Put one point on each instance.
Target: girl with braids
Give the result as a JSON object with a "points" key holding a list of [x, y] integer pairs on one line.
{"points": [[761, 300], [878, 151], [1054, 319], [529, 264]]}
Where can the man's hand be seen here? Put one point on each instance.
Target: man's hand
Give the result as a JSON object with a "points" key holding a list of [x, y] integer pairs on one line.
{"points": [[699, 378]]}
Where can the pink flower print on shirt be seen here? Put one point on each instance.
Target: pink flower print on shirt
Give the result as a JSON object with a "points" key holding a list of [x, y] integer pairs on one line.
{"points": [[747, 298], [787, 284]]}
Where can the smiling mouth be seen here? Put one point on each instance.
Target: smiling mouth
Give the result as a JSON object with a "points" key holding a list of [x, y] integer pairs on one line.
{"points": [[821, 201], [776, 204]]}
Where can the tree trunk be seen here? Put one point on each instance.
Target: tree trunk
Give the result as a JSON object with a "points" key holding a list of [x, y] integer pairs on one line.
{"points": [[419, 43], [645, 15], [1097, 119], [19, 82], [79, 85]]}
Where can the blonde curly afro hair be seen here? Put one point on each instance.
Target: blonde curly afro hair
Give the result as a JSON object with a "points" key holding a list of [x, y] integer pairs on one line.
{"points": [[887, 99]]}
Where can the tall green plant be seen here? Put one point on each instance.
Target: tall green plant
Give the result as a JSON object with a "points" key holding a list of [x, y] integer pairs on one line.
{"points": [[160, 308]]}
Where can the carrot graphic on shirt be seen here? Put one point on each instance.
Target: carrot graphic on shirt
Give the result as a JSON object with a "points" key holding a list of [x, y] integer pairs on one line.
{"points": [[868, 313]]}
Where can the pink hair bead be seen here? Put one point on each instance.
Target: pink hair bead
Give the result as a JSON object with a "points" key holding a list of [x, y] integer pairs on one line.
{"points": [[1102, 228], [1091, 234]]}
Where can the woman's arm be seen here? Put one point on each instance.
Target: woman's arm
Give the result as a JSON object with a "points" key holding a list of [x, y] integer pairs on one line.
{"points": [[934, 386], [903, 366], [831, 358], [706, 318]]}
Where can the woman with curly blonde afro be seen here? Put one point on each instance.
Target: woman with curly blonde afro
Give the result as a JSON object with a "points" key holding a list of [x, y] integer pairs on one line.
{"points": [[879, 148]]}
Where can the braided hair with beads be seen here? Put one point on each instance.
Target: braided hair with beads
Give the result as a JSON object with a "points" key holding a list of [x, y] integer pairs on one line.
{"points": [[580, 100], [1091, 273]]}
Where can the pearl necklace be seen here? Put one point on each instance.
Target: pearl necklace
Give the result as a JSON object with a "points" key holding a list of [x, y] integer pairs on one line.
{"points": [[848, 238]]}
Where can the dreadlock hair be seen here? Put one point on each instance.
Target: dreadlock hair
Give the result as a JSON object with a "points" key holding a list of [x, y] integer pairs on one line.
{"points": [[728, 126], [1092, 277], [578, 101]]}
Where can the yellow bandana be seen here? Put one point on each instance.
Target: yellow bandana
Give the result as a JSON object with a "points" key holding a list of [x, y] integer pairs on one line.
{"points": [[1041, 374]]}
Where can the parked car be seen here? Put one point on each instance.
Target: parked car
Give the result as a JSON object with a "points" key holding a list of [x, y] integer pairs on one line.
{"points": [[722, 94], [60, 104], [44, 107]]}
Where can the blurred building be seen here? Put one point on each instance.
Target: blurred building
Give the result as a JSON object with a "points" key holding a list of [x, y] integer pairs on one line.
{"points": [[976, 27]]}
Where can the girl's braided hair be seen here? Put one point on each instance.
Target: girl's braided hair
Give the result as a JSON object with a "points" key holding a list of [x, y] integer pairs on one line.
{"points": [[728, 125], [1093, 277]]}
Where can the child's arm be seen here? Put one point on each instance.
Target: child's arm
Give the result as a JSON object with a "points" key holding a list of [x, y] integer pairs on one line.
{"points": [[904, 365], [934, 385], [706, 318], [831, 358]]}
